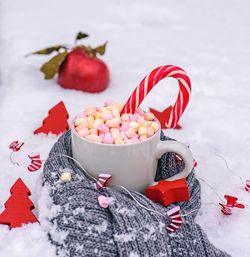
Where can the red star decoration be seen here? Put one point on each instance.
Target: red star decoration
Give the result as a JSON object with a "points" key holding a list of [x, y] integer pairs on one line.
{"points": [[163, 117], [168, 192]]}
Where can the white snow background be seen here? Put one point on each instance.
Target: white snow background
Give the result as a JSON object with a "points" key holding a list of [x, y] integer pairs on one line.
{"points": [[210, 40]]}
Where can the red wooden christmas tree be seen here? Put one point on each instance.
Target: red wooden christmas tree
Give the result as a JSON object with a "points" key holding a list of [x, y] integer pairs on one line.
{"points": [[163, 116], [18, 207], [56, 122]]}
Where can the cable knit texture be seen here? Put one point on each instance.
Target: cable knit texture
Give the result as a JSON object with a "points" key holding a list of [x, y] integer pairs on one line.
{"points": [[80, 227]]}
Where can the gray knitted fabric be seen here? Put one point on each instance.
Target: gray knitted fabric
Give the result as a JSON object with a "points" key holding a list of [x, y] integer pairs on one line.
{"points": [[124, 228]]}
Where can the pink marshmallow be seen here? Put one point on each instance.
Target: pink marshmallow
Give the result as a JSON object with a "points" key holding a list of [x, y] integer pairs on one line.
{"points": [[123, 135], [139, 111], [133, 117], [135, 139], [125, 126], [107, 116], [108, 138], [109, 102], [103, 201], [103, 128]]}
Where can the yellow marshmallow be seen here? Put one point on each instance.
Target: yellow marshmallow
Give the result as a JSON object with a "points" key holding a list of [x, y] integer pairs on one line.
{"points": [[78, 121], [150, 132], [94, 138], [66, 176], [93, 131], [115, 132], [91, 112], [118, 141], [135, 125], [149, 116], [129, 133], [154, 126], [98, 115], [115, 111], [125, 117], [142, 131], [143, 137]]}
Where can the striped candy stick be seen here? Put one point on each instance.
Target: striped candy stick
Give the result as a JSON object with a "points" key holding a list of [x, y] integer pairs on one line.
{"points": [[103, 179], [225, 209], [151, 80], [175, 216], [36, 162], [16, 146], [247, 187]]}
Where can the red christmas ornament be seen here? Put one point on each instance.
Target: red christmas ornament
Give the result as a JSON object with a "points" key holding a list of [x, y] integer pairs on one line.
{"points": [[168, 192], [18, 207], [163, 116], [83, 72], [56, 122]]}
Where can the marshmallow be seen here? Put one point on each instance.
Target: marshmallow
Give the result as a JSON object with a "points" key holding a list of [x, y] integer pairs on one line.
{"points": [[79, 121], [109, 102], [118, 141], [135, 139], [149, 116], [125, 117], [115, 111], [83, 132], [91, 111], [97, 122], [115, 132], [108, 138], [133, 117], [66, 176], [139, 111], [150, 132], [103, 128], [98, 115], [154, 126], [129, 133], [143, 137], [142, 131], [103, 201], [112, 123], [107, 116], [94, 138], [134, 125], [90, 121], [125, 126], [93, 131]]}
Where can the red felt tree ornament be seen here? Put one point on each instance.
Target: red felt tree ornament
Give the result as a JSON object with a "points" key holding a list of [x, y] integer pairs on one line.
{"points": [[163, 116], [56, 122], [168, 192], [18, 207]]}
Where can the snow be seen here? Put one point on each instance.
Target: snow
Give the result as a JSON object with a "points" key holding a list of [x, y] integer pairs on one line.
{"points": [[210, 40]]}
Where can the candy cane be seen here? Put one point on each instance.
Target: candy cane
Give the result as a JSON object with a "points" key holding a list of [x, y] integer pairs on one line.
{"points": [[36, 162], [175, 216], [225, 209], [16, 146], [151, 80], [247, 187], [103, 179]]}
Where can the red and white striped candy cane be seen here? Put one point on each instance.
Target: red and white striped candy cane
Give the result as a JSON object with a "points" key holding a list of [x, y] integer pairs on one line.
{"points": [[247, 187], [16, 145], [36, 162], [151, 80], [103, 179], [175, 216]]}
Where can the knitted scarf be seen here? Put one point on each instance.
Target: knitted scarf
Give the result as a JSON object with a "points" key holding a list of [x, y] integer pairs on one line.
{"points": [[78, 226]]}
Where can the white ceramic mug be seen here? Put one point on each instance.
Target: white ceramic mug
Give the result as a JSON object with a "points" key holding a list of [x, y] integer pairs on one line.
{"points": [[131, 165]]}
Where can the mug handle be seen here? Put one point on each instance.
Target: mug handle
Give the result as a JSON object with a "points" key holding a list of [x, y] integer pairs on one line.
{"points": [[180, 149]]}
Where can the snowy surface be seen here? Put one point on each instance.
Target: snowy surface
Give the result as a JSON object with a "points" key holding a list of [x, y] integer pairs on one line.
{"points": [[210, 40]]}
